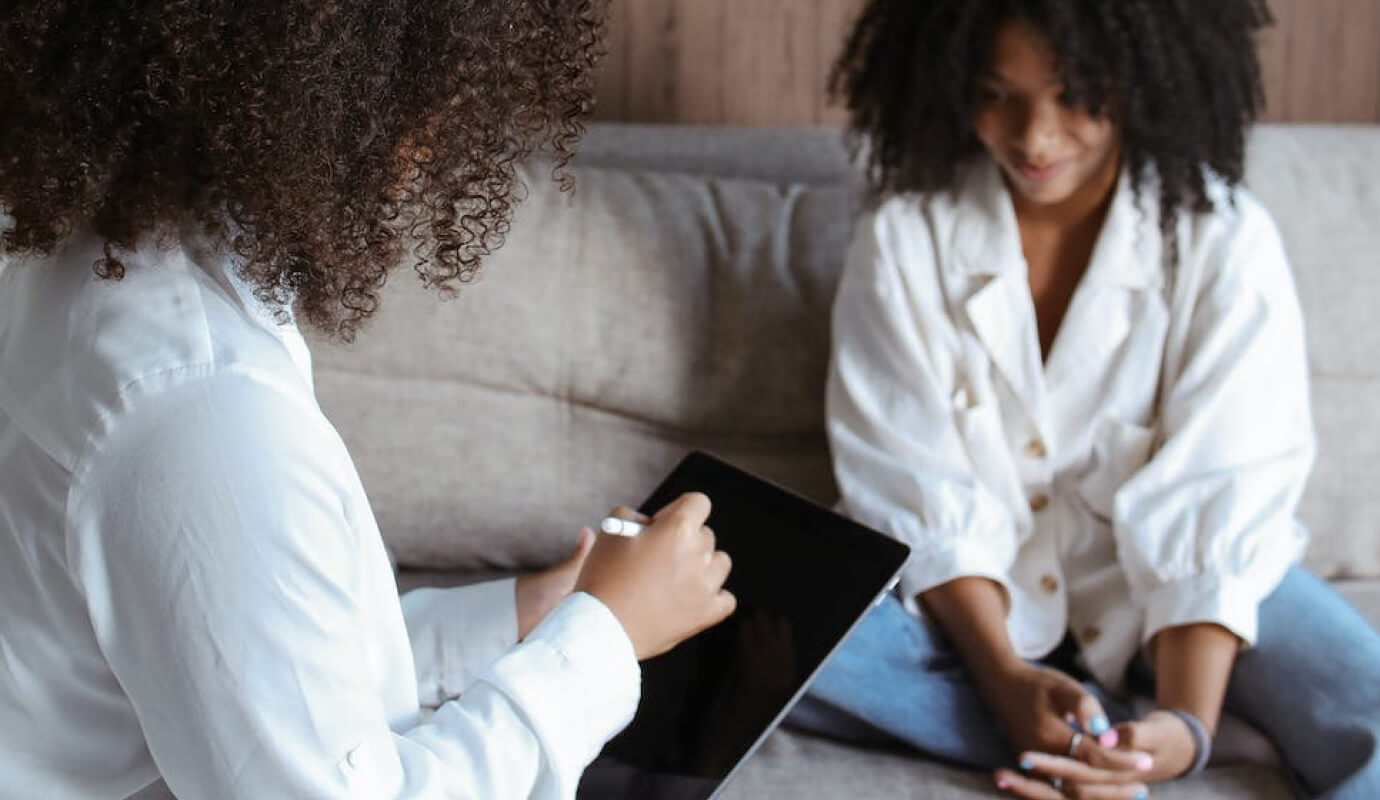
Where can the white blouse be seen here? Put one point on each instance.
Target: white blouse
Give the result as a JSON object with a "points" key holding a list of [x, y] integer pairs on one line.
{"points": [[194, 589], [1144, 476]]}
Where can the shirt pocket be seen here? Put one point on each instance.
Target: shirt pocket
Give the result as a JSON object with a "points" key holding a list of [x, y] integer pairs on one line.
{"points": [[1119, 450]]}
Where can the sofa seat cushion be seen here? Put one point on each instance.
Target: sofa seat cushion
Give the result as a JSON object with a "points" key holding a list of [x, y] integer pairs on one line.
{"points": [[797, 765]]}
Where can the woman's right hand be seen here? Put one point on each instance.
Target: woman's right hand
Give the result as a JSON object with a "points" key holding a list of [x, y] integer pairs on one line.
{"points": [[665, 584], [1039, 708]]}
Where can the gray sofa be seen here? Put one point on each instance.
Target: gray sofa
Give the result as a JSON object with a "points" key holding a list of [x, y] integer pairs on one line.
{"points": [[680, 300]]}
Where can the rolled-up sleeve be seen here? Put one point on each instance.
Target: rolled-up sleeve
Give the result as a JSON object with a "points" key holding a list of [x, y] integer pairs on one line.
{"points": [[1206, 529], [899, 459]]}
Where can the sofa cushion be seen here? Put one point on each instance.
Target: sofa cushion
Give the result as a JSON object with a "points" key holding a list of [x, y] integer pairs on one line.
{"points": [[1322, 183], [796, 765], [657, 311], [647, 314]]}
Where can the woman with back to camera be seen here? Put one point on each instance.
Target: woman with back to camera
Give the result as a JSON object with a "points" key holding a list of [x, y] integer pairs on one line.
{"points": [[194, 589], [1069, 371]]}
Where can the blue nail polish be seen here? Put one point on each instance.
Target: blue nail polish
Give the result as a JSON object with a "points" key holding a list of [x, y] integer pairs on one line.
{"points": [[1142, 795], [1099, 725], [1027, 765]]}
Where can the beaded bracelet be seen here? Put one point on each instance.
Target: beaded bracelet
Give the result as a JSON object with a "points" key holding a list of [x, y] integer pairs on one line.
{"points": [[1202, 740]]}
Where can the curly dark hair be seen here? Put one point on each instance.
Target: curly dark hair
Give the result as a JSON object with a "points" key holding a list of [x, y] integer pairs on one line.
{"points": [[1179, 78], [319, 141]]}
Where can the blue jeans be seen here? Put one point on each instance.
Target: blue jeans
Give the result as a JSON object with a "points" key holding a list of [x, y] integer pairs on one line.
{"points": [[1311, 684]]}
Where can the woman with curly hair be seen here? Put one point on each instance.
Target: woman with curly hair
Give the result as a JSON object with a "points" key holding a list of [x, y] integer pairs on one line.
{"points": [[1069, 370], [195, 592]]}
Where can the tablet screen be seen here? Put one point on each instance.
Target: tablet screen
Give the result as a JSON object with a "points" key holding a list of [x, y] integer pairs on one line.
{"points": [[803, 576]]}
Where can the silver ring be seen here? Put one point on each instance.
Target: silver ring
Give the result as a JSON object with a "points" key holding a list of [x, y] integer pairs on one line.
{"points": [[1074, 742], [1057, 782]]}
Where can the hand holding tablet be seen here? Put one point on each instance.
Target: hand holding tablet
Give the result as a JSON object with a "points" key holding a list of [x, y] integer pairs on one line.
{"points": [[709, 701]]}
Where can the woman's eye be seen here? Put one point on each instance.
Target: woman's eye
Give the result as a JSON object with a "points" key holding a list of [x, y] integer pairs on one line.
{"points": [[988, 95]]}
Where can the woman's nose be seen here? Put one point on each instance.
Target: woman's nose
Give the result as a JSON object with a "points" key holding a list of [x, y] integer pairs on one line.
{"points": [[1039, 130]]}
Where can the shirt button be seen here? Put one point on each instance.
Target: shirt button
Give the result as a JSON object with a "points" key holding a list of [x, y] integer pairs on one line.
{"points": [[1035, 449], [1050, 584], [1091, 634], [1039, 502]]}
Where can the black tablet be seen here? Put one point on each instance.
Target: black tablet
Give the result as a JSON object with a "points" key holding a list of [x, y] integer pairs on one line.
{"points": [[803, 576]]}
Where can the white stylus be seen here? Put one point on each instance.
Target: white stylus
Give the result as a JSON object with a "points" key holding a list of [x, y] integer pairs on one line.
{"points": [[620, 527]]}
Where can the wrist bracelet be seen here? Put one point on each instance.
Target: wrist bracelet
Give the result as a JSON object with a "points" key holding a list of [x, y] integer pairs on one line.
{"points": [[1202, 740]]}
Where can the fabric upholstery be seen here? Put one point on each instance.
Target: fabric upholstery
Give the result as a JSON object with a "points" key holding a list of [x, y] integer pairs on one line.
{"points": [[656, 311], [796, 765], [648, 314], [1323, 185]]}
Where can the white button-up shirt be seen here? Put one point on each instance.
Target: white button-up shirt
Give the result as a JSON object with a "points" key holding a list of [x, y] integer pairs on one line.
{"points": [[1145, 476], [194, 589]]}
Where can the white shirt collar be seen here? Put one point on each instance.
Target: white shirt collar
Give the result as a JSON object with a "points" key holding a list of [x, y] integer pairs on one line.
{"points": [[987, 239]]}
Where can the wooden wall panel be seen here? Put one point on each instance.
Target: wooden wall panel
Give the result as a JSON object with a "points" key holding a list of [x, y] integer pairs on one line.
{"points": [[766, 62], [1326, 62], [835, 20]]}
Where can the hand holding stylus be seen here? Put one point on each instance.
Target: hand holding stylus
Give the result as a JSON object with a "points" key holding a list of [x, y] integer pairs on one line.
{"points": [[665, 584]]}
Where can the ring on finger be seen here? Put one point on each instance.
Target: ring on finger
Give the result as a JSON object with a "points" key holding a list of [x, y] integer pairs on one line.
{"points": [[1057, 782], [1074, 743]]}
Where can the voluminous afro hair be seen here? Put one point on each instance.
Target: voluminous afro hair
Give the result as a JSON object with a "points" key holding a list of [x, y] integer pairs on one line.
{"points": [[1180, 78], [321, 142]]}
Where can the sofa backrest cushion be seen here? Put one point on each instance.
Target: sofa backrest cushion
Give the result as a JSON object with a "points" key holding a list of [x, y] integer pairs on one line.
{"points": [[1322, 183], [680, 299], [646, 315]]}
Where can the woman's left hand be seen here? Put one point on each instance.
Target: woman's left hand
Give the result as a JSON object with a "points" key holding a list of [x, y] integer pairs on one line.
{"points": [[539, 592], [1166, 738], [1051, 777]]}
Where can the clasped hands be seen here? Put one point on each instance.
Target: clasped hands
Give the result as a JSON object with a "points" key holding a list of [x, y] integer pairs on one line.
{"points": [[1067, 747]]}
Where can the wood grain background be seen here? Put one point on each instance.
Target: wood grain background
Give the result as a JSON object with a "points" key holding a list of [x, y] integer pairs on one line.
{"points": [[765, 62]]}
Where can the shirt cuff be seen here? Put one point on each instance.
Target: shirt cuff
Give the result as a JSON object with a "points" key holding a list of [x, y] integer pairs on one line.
{"points": [[1226, 600], [457, 633], [962, 557], [589, 685]]}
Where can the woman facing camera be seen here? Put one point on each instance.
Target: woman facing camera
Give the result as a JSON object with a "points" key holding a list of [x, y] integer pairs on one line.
{"points": [[195, 592], [1069, 371]]}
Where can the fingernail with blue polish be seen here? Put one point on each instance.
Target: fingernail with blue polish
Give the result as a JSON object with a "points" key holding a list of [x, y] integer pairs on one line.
{"points": [[1098, 725], [1142, 795], [1027, 765]]}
